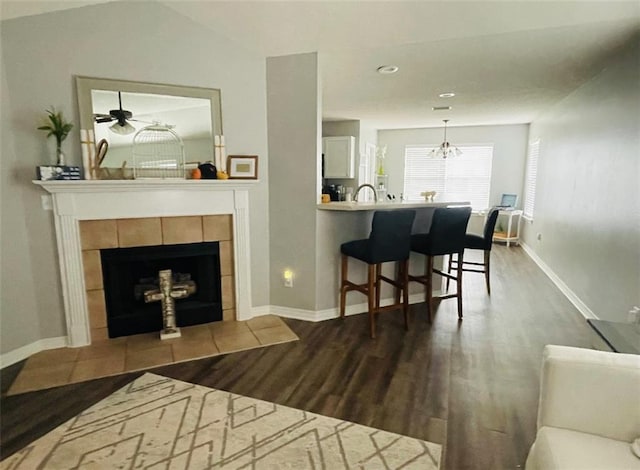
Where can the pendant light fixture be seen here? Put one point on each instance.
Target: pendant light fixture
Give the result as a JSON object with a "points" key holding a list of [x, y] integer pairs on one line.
{"points": [[446, 149]]}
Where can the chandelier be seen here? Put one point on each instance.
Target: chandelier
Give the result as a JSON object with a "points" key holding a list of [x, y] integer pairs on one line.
{"points": [[446, 149]]}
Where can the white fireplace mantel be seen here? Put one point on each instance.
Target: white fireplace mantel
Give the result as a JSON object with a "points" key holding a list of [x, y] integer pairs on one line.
{"points": [[121, 199]]}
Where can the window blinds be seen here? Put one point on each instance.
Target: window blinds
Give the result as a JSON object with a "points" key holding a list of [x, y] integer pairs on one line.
{"points": [[462, 178]]}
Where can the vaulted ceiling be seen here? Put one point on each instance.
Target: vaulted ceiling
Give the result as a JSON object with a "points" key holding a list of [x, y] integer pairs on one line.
{"points": [[507, 61]]}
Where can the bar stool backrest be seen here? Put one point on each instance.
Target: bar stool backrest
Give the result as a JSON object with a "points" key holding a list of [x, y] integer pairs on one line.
{"points": [[390, 238], [490, 226], [448, 229]]}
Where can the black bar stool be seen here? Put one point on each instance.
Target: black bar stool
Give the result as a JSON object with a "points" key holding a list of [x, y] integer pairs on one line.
{"points": [[390, 240], [479, 242], [445, 237]]}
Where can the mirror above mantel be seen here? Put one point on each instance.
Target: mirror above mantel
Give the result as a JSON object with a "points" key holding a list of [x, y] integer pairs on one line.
{"points": [[115, 110]]}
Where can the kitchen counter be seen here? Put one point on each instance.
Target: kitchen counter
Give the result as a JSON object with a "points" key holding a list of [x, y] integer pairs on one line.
{"points": [[340, 222], [386, 205]]}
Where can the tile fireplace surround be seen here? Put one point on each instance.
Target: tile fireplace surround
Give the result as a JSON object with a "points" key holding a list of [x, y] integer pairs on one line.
{"points": [[90, 215]]}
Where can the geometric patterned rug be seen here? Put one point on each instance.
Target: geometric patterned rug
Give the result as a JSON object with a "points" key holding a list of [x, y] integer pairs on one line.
{"points": [[157, 422]]}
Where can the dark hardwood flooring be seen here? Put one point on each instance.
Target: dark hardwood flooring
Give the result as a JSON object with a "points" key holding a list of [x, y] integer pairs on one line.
{"points": [[471, 386]]}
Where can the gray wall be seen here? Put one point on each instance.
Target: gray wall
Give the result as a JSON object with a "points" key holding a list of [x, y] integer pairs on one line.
{"points": [[19, 253], [587, 195], [140, 41], [368, 134], [294, 165], [509, 153]]}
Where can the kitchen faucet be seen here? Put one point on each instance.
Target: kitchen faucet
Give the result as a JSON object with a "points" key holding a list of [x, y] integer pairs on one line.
{"points": [[366, 185]]}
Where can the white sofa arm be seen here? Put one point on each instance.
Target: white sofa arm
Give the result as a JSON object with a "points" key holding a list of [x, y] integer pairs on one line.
{"points": [[590, 391]]}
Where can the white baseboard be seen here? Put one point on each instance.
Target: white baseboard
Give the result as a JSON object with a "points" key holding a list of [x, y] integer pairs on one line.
{"points": [[260, 311], [327, 314], [24, 352], [568, 293]]}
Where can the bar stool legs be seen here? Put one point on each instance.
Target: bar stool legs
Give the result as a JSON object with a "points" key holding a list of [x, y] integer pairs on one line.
{"points": [[487, 270], [459, 286], [403, 276], [372, 290], [344, 262], [427, 280], [371, 295], [446, 236], [389, 242]]}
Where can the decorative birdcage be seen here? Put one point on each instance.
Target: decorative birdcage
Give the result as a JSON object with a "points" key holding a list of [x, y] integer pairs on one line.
{"points": [[158, 152]]}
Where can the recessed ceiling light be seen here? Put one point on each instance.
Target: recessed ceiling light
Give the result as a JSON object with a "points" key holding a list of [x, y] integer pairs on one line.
{"points": [[441, 108], [387, 69], [448, 94]]}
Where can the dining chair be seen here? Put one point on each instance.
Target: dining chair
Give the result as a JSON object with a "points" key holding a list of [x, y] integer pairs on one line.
{"points": [[483, 242], [446, 236], [389, 241]]}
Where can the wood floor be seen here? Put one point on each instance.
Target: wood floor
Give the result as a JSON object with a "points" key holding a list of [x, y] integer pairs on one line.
{"points": [[471, 386]]}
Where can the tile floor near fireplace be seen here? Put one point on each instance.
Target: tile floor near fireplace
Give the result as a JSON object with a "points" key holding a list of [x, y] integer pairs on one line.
{"points": [[63, 366]]}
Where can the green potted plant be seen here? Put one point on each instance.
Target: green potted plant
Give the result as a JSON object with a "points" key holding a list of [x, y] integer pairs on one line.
{"points": [[59, 128]]}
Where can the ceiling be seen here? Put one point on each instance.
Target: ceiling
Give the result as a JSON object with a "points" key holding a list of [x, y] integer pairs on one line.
{"points": [[507, 61]]}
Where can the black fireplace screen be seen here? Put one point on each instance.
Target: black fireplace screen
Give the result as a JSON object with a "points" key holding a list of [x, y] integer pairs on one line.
{"points": [[125, 270]]}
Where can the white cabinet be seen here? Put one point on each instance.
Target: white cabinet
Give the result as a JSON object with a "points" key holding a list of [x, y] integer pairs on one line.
{"points": [[338, 156]]}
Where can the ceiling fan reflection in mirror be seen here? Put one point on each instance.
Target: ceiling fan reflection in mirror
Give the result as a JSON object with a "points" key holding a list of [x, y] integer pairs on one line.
{"points": [[121, 116]]}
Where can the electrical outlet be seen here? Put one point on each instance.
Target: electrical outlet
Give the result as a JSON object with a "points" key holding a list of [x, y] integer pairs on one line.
{"points": [[288, 278], [288, 282]]}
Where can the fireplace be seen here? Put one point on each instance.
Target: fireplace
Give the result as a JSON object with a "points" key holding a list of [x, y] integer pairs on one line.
{"points": [[94, 215], [130, 272]]}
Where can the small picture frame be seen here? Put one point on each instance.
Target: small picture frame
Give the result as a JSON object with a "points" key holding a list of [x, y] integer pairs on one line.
{"points": [[243, 167]]}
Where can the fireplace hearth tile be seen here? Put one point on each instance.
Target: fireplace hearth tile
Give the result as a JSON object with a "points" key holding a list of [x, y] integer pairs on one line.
{"points": [[142, 341], [265, 321], [114, 356], [98, 234], [92, 269], [222, 328], [196, 333], [151, 357], [236, 342], [114, 348], [99, 334], [53, 375], [217, 227], [52, 356], [181, 230], [91, 368], [276, 334], [97, 308], [193, 349], [139, 232], [227, 292], [226, 258]]}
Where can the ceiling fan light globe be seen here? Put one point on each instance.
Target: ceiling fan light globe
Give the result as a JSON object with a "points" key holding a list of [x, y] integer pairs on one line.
{"points": [[125, 129]]}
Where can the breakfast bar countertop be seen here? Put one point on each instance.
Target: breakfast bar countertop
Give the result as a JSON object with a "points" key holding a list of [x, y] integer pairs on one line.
{"points": [[369, 205]]}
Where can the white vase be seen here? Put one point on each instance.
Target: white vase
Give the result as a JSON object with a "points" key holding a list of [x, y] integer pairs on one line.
{"points": [[60, 156]]}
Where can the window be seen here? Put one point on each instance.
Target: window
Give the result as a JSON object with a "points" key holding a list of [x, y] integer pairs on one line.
{"points": [[530, 179], [366, 170], [463, 178]]}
